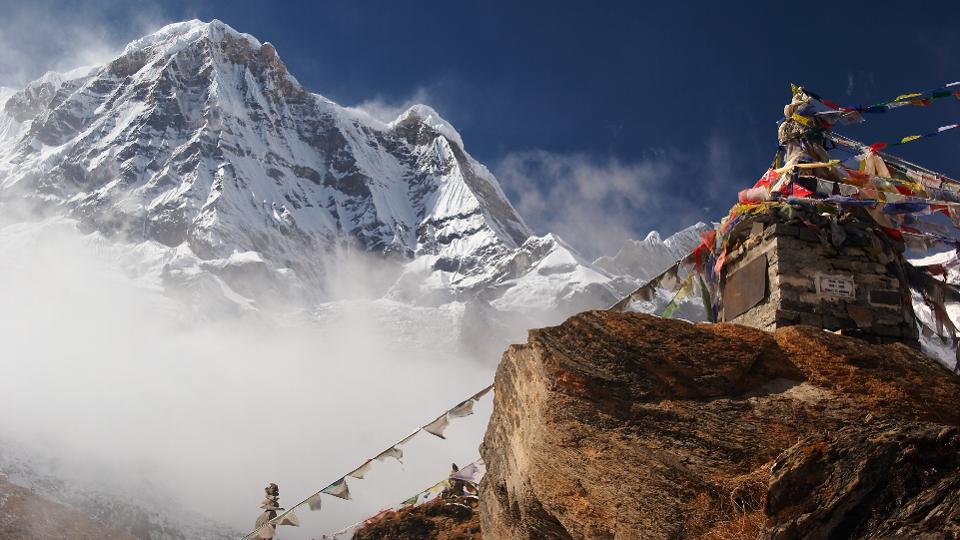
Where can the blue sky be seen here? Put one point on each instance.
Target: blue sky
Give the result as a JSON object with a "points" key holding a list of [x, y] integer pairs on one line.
{"points": [[602, 119]]}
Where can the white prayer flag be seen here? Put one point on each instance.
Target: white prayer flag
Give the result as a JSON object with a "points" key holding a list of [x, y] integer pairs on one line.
{"points": [[471, 473], [392, 452], [315, 501], [437, 426], [338, 489], [289, 518], [463, 409], [362, 470]]}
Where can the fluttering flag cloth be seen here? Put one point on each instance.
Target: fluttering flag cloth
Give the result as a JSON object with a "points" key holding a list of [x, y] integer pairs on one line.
{"points": [[392, 452], [427, 494], [472, 473], [408, 438], [338, 489], [463, 409], [438, 426], [669, 279], [906, 207], [288, 518], [480, 394], [362, 470], [315, 502], [922, 99]]}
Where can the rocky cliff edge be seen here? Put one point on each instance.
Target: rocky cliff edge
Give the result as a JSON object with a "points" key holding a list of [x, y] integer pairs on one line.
{"points": [[624, 425]]}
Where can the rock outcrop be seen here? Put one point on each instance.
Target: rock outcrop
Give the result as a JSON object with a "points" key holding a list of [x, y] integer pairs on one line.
{"points": [[24, 516], [440, 519], [624, 425]]}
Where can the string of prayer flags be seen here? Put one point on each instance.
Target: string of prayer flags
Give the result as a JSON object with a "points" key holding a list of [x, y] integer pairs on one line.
{"points": [[911, 138], [428, 494], [471, 473], [338, 489], [922, 99]]}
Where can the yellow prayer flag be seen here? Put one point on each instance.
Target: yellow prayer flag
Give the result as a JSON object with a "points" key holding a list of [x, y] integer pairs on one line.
{"points": [[803, 120], [907, 96], [909, 138]]}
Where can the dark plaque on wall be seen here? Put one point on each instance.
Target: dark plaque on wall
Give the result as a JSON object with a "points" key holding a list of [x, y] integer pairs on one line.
{"points": [[745, 288]]}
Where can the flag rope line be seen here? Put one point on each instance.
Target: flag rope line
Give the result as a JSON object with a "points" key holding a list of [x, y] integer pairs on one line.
{"points": [[472, 399], [399, 506]]}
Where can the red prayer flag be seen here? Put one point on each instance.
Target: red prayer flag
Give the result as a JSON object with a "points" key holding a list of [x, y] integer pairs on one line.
{"points": [[892, 233]]}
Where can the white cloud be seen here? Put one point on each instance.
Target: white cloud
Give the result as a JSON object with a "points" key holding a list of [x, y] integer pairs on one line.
{"points": [[36, 37], [598, 203], [386, 109], [103, 375]]}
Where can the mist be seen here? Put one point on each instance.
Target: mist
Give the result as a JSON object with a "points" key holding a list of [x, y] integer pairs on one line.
{"points": [[113, 386]]}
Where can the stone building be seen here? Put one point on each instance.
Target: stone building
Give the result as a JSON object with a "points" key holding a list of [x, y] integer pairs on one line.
{"points": [[840, 273]]}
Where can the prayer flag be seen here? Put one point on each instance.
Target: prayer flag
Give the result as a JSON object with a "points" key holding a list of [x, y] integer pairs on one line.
{"points": [[472, 473], [288, 518], [315, 501], [438, 426], [463, 409], [392, 452], [362, 470], [338, 489]]}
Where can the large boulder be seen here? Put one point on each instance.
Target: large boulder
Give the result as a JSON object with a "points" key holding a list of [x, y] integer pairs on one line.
{"points": [[624, 425]]}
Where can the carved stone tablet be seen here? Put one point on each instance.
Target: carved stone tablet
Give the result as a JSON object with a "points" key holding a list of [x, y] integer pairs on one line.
{"points": [[745, 288]]}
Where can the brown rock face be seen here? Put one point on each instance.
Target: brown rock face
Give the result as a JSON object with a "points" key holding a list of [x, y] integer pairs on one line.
{"points": [[624, 425], [25, 516], [455, 519]]}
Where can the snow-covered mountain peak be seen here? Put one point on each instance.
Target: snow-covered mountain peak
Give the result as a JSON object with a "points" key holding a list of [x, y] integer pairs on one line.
{"points": [[175, 36], [644, 259], [428, 116], [197, 137], [197, 142]]}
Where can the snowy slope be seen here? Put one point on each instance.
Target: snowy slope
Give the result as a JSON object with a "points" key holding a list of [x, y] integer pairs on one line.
{"points": [[644, 259]]}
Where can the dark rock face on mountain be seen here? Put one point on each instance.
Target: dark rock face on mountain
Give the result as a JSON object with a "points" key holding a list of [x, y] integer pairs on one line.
{"points": [[26, 516], [624, 425]]}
